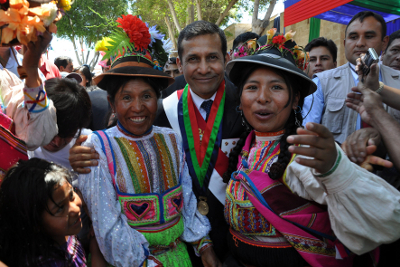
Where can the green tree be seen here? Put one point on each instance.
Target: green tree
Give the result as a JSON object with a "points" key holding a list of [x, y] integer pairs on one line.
{"points": [[87, 22], [172, 15]]}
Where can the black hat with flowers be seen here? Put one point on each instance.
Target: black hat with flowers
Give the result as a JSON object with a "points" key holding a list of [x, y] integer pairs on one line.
{"points": [[273, 50], [134, 50]]}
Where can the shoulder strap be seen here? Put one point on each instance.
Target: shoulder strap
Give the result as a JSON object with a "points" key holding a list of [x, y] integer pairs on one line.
{"points": [[108, 151]]}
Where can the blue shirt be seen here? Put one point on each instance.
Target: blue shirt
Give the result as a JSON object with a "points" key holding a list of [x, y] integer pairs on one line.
{"points": [[314, 104]]}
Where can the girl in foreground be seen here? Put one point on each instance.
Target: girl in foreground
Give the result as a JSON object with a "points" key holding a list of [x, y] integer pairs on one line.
{"points": [[40, 216], [285, 209]]}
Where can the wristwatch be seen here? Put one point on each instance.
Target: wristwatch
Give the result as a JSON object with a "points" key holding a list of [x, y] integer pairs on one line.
{"points": [[379, 90]]}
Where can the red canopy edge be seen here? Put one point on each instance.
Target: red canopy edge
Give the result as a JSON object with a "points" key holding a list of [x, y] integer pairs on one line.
{"points": [[305, 9]]}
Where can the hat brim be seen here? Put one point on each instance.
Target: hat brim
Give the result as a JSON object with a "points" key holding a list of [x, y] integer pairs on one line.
{"points": [[132, 71], [235, 68]]}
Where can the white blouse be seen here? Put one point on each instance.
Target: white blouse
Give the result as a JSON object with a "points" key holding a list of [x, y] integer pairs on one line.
{"points": [[120, 244], [36, 127], [364, 210]]}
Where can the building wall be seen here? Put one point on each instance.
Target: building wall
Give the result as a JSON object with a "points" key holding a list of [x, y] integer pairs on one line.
{"points": [[329, 30], [336, 32]]}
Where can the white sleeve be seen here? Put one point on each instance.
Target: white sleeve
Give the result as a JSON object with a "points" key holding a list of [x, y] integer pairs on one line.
{"points": [[120, 244], [364, 210], [35, 123]]}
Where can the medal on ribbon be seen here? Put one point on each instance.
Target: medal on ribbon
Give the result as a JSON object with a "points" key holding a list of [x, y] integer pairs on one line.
{"points": [[201, 154]]}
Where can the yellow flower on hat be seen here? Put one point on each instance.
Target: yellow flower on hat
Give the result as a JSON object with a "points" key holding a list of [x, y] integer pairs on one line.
{"points": [[270, 34], [252, 44], [102, 44], [289, 35]]}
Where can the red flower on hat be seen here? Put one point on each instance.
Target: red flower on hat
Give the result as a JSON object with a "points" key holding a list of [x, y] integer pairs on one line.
{"points": [[136, 30], [279, 39]]}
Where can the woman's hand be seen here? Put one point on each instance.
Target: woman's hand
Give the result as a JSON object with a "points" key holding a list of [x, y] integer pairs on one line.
{"points": [[209, 259], [81, 157], [321, 147]]}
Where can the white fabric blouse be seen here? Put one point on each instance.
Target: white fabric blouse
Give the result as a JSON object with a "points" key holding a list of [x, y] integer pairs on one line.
{"points": [[120, 244], [364, 210]]}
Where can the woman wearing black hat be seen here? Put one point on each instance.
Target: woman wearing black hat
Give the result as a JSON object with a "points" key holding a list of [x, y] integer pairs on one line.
{"points": [[288, 210], [140, 195]]}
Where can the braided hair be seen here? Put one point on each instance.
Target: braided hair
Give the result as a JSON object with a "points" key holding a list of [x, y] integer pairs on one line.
{"points": [[278, 168]]}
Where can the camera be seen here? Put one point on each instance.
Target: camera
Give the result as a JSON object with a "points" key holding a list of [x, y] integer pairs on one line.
{"points": [[370, 57]]}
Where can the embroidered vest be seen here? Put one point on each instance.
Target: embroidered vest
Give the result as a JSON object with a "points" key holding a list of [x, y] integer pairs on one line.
{"points": [[156, 216]]}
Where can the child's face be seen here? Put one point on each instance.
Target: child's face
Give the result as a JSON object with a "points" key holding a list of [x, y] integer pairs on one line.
{"points": [[66, 220]]}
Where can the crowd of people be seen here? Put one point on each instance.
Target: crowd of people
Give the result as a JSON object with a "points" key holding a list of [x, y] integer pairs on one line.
{"points": [[226, 157]]}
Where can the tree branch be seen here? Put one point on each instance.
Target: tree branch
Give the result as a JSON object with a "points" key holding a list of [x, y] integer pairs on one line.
{"points": [[170, 32], [255, 11], [75, 49], [269, 12], [174, 17], [223, 14], [198, 6], [258, 25]]}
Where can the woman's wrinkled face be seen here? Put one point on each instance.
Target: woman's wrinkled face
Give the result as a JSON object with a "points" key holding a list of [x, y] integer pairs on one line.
{"points": [[135, 106], [264, 100]]}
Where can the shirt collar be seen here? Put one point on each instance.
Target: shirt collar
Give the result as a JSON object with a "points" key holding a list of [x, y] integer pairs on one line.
{"points": [[197, 100]]}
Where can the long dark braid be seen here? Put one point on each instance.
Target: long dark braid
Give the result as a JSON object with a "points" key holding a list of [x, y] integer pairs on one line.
{"points": [[234, 156], [278, 168]]}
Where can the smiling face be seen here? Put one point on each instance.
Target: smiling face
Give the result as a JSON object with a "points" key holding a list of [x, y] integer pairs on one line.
{"points": [[203, 64], [391, 57], [320, 59], [135, 105], [264, 100], [363, 35], [66, 210]]}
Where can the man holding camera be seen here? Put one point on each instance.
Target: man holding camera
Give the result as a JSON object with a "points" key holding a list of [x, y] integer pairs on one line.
{"points": [[327, 105]]}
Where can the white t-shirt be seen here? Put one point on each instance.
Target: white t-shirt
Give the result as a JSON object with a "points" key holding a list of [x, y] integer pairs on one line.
{"points": [[60, 157]]}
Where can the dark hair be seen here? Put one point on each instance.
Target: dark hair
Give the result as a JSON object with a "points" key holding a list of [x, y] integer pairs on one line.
{"points": [[24, 196], [322, 41], [365, 14], [278, 168], [72, 103], [392, 37], [113, 85], [86, 72], [198, 28], [241, 38], [62, 61], [171, 60]]}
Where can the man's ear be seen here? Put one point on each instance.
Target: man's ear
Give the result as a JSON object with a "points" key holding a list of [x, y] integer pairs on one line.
{"points": [[62, 68], [179, 64], [335, 64], [385, 42], [227, 58]]}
